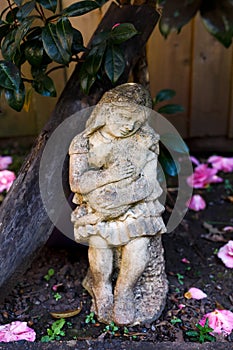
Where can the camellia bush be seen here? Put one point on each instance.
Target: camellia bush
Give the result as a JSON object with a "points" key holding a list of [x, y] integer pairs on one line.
{"points": [[37, 33]]}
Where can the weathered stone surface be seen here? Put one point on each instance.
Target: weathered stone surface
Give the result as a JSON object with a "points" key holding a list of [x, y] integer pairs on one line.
{"points": [[113, 168]]}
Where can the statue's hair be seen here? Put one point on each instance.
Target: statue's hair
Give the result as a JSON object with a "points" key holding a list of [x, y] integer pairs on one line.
{"points": [[125, 95]]}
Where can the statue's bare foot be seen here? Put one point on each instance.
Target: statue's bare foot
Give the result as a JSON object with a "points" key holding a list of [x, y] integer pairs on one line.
{"points": [[124, 309], [103, 304]]}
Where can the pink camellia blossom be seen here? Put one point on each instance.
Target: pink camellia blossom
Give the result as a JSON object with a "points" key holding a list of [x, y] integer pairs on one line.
{"points": [[196, 203], [7, 178], [221, 163], [203, 176], [195, 293], [225, 253], [4, 162], [16, 331], [221, 321], [228, 229]]}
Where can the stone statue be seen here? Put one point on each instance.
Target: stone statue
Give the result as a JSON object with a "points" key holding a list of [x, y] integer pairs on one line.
{"points": [[113, 168]]}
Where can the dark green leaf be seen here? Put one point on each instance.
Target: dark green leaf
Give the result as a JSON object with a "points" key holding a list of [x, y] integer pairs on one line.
{"points": [[44, 86], [53, 46], [34, 33], [45, 339], [176, 14], [48, 4], [218, 19], [4, 30], [94, 59], [168, 164], [80, 8], [210, 338], [18, 2], [171, 109], [164, 95], [37, 72], [174, 142], [9, 46], [65, 33], [19, 57], [23, 29], [101, 37], [77, 44], [11, 15], [201, 338], [34, 52], [114, 63], [101, 2], [9, 76], [16, 98], [192, 333], [122, 32], [86, 80], [25, 10]]}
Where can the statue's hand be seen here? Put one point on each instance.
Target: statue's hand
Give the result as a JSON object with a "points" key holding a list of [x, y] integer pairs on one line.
{"points": [[122, 171]]}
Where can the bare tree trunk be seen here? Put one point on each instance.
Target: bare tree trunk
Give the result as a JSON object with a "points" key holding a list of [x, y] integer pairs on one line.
{"points": [[24, 224]]}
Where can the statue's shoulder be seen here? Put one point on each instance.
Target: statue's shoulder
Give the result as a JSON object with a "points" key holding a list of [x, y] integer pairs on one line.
{"points": [[148, 131], [79, 144]]}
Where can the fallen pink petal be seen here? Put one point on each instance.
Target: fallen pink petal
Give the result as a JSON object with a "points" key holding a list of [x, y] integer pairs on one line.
{"points": [[185, 261], [221, 163], [196, 203], [203, 176], [115, 25], [194, 160], [228, 229], [195, 293], [225, 253], [5, 162], [15, 331], [221, 321], [7, 178]]}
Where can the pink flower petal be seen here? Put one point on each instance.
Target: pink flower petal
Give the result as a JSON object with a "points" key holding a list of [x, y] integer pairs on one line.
{"points": [[16, 331], [4, 162], [181, 306], [115, 25], [196, 203], [185, 261], [221, 163], [203, 176], [225, 253], [221, 321], [228, 229], [195, 293], [194, 160], [6, 180]]}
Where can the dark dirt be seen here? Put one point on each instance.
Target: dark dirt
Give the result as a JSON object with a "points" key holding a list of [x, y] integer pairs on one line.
{"points": [[33, 298]]}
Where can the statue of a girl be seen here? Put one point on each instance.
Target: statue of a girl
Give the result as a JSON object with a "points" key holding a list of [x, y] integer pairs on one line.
{"points": [[113, 168]]}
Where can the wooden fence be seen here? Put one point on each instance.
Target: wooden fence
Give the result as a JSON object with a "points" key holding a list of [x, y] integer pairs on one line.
{"points": [[192, 63]]}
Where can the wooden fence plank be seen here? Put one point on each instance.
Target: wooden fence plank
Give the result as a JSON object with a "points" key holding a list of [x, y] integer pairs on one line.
{"points": [[169, 67], [192, 63], [210, 84]]}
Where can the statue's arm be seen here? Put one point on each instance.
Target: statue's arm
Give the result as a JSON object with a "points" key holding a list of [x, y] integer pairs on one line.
{"points": [[136, 191], [84, 180]]}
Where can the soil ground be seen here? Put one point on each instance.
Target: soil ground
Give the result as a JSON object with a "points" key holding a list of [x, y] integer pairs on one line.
{"points": [[33, 298]]}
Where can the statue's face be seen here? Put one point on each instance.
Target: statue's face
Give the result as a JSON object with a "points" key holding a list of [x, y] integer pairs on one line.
{"points": [[124, 122]]}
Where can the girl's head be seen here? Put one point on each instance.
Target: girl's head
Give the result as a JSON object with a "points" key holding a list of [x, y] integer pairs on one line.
{"points": [[121, 111]]}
